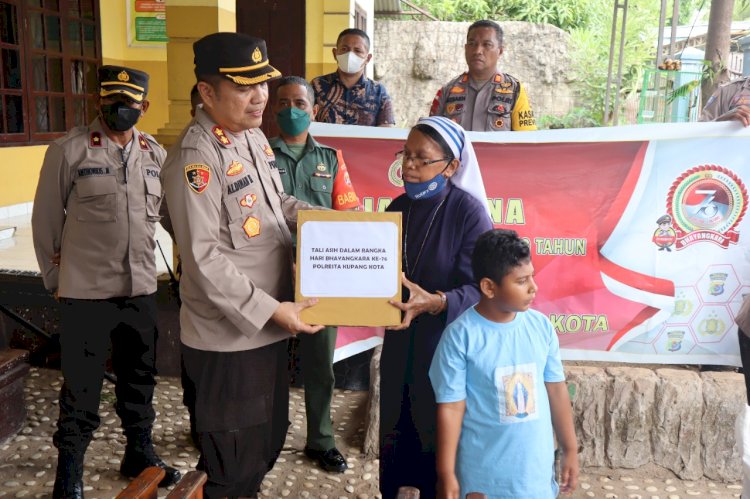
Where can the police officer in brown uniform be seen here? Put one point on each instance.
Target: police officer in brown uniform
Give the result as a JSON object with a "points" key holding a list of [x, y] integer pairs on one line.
{"points": [[730, 102], [231, 221], [95, 212], [483, 99]]}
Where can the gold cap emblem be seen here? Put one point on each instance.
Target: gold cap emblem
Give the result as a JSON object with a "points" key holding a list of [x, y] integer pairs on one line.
{"points": [[257, 56], [123, 76]]}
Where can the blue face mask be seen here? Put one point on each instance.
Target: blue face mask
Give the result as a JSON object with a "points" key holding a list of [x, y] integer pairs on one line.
{"points": [[425, 190]]}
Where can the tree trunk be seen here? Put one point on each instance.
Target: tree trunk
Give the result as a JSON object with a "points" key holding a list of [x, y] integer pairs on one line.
{"points": [[717, 44]]}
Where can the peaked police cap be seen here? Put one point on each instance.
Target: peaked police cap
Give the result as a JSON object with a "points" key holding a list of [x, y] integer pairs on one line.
{"points": [[238, 57]]}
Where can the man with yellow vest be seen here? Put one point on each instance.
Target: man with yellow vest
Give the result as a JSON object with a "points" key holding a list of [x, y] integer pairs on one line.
{"points": [[483, 99]]}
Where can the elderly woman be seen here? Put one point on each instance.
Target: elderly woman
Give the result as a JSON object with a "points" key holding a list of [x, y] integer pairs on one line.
{"points": [[444, 212]]}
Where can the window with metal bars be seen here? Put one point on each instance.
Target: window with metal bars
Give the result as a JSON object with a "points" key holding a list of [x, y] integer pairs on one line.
{"points": [[49, 52]]}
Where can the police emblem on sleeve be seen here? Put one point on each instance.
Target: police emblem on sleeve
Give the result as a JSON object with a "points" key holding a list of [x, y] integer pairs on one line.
{"points": [[706, 204], [197, 176], [251, 227]]}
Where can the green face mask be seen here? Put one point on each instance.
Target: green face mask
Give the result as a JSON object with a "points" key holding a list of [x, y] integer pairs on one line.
{"points": [[293, 121]]}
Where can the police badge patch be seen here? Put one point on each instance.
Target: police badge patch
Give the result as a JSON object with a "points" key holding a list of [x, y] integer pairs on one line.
{"points": [[197, 176], [235, 168], [251, 227]]}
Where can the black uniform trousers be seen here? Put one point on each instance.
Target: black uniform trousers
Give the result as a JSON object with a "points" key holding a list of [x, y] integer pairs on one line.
{"points": [[241, 414], [89, 329]]}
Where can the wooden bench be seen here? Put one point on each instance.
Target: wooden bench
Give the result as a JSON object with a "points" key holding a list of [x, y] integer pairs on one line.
{"points": [[144, 486], [13, 369], [190, 487]]}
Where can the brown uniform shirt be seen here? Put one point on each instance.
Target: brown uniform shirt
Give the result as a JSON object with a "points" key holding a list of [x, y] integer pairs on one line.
{"points": [[102, 225], [726, 98], [231, 220]]}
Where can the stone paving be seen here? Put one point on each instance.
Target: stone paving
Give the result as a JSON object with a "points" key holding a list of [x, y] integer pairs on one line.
{"points": [[27, 461]]}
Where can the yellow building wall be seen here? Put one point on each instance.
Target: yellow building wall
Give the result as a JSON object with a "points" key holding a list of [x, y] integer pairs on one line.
{"points": [[325, 19], [21, 165], [113, 21]]}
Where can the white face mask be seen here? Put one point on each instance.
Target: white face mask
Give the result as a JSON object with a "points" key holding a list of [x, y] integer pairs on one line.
{"points": [[350, 62]]}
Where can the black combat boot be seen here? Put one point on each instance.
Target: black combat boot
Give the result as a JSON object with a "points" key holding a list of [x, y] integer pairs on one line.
{"points": [[69, 475], [140, 454]]}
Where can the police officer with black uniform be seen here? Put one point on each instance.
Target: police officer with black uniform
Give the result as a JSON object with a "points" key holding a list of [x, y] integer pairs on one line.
{"points": [[95, 212]]}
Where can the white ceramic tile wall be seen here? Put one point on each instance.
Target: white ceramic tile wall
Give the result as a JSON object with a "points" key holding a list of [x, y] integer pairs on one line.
{"points": [[15, 210]]}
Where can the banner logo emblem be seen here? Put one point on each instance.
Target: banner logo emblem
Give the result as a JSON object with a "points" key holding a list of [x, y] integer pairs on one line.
{"points": [[394, 174], [707, 203], [674, 340]]}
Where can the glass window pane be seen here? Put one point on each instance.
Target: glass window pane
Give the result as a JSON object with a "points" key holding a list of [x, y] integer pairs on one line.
{"points": [[39, 72], [76, 77], [8, 23], [92, 81], [36, 30], [74, 8], [89, 41], [53, 33], [14, 114], [11, 69], [87, 9], [52, 4], [74, 38], [55, 75], [42, 117], [57, 114], [79, 112]]}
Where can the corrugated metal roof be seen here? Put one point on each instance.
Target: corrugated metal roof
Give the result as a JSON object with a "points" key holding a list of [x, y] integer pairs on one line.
{"points": [[387, 6]]}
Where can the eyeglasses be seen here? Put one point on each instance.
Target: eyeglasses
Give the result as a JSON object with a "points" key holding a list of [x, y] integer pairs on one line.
{"points": [[418, 162]]}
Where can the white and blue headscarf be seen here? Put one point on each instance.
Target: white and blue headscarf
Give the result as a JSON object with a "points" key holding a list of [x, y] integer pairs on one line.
{"points": [[467, 176]]}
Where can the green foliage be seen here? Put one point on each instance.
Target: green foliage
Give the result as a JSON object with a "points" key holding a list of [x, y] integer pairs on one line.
{"points": [[565, 14], [579, 117], [590, 52]]}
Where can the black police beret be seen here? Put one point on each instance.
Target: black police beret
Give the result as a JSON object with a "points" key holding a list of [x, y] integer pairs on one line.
{"points": [[238, 57], [114, 80]]}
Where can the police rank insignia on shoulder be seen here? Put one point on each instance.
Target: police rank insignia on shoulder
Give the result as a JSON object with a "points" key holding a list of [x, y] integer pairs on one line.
{"points": [[235, 168], [143, 143], [267, 149], [198, 176], [251, 227], [95, 139], [219, 134]]}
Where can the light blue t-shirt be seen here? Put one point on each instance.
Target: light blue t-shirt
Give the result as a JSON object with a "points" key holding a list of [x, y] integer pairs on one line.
{"points": [[506, 448]]}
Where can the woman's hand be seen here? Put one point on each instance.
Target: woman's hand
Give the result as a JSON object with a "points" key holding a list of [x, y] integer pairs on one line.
{"points": [[420, 301]]}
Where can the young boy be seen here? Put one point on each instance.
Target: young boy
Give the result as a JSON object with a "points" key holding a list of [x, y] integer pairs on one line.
{"points": [[499, 383]]}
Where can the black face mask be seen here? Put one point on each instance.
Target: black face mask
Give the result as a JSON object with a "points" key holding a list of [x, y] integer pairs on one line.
{"points": [[119, 116]]}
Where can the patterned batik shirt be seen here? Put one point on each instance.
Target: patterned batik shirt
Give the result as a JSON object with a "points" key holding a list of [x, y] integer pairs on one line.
{"points": [[366, 103]]}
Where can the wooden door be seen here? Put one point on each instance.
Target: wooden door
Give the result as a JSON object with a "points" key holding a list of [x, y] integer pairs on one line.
{"points": [[281, 23]]}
